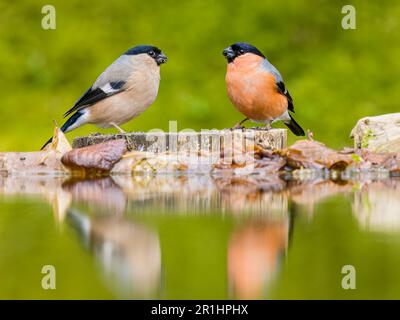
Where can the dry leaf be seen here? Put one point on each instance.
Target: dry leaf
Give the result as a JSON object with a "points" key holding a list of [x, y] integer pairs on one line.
{"points": [[60, 143], [101, 156], [314, 155]]}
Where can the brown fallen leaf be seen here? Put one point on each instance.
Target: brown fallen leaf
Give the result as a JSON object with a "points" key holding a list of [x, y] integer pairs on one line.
{"points": [[101, 156], [314, 155]]}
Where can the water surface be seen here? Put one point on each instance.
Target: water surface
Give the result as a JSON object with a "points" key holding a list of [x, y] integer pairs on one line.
{"points": [[198, 237]]}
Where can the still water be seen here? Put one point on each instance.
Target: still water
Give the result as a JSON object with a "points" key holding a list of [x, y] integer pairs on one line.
{"points": [[198, 237]]}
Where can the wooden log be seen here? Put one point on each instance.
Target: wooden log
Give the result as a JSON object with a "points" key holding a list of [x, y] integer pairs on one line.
{"points": [[209, 141], [378, 134], [188, 151]]}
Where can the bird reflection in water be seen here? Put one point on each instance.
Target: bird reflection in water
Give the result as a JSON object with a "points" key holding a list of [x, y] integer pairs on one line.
{"points": [[261, 210], [255, 251], [257, 245], [128, 252]]}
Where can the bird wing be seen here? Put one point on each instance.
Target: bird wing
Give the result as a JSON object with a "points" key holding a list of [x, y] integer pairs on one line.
{"points": [[110, 82], [280, 85], [282, 90]]}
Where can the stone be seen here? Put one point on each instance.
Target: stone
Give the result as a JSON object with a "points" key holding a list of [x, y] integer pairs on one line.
{"points": [[378, 134]]}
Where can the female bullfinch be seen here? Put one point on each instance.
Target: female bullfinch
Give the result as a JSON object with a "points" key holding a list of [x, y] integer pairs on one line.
{"points": [[122, 92]]}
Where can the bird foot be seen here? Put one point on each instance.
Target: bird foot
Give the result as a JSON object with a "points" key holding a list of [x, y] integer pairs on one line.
{"points": [[129, 144], [237, 126], [262, 128], [268, 127]]}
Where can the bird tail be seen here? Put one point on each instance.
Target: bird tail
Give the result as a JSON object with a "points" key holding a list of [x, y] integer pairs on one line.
{"points": [[66, 126], [294, 127]]}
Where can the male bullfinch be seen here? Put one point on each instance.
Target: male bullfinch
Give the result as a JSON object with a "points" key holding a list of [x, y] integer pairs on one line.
{"points": [[122, 92], [256, 88]]}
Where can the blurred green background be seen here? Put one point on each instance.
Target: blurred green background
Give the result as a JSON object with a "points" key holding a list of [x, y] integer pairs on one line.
{"points": [[335, 76]]}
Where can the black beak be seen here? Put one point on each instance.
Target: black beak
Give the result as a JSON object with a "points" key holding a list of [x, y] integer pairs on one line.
{"points": [[229, 54], [161, 58]]}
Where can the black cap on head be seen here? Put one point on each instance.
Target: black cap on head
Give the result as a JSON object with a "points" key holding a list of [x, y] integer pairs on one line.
{"points": [[152, 51], [238, 49]]}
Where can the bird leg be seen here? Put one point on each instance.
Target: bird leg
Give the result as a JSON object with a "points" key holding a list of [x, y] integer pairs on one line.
{"points": [[268, 126], [122, 131], [239, 124]]}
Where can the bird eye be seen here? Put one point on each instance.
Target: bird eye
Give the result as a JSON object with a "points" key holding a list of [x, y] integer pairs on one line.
{"points": [[241, 51], [151, 53]]}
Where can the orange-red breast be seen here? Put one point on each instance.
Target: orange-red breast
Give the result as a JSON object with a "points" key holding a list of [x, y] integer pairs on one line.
{"points": [[256, 88]]}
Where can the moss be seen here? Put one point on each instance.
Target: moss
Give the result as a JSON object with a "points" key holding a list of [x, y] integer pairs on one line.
{"points": [[356, 158], [366, 138]]}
